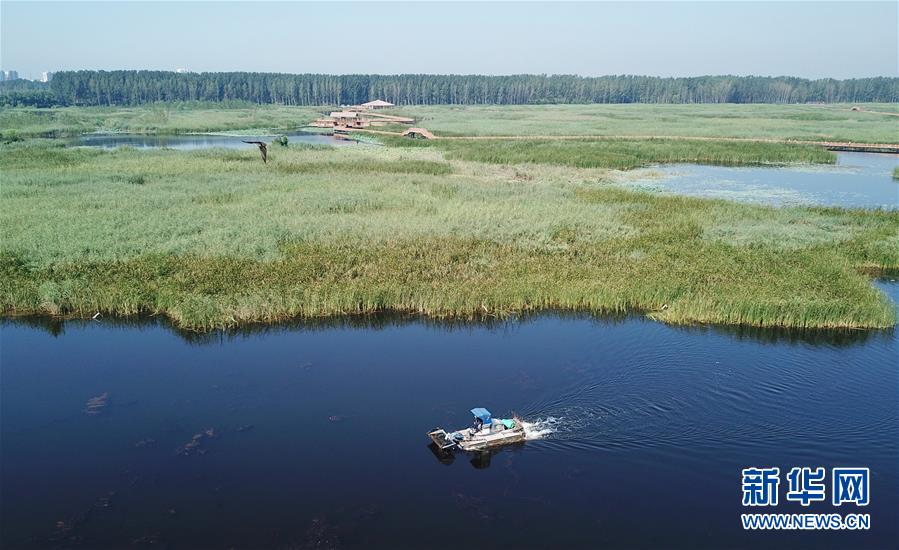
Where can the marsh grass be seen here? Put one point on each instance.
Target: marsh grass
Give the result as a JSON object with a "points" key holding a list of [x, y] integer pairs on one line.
{"points": [[162, 118], [216, 238], [134, 179], [366, 167], [832, 122], [624, 154], [462, 277]]}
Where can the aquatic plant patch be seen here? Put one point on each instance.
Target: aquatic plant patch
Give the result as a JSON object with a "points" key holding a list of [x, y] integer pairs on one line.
{"points": [[623, 154], [211, 240]]}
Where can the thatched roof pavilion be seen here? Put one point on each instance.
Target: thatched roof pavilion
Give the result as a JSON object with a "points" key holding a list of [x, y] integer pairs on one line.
{"points": [[378, 104]]}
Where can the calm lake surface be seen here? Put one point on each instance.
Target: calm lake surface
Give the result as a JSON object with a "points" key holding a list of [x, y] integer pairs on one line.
{"points": [[319, 433], [858, 180], [189, 142]]}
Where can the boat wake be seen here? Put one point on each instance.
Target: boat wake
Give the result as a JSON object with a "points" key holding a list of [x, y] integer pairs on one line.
{"points": [[572, 424], [541, 427]]}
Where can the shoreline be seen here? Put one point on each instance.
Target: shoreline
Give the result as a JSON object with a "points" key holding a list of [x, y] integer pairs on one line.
{"points": [[83, 297], [391, 317], [886, 148]]}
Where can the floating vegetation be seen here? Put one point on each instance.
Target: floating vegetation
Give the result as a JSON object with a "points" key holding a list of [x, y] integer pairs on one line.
{"points": [[96, 405], [66, 532], [196, 445]]}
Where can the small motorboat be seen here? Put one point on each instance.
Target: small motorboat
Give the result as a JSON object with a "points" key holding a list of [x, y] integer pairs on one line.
{"points": [[486, 433]]}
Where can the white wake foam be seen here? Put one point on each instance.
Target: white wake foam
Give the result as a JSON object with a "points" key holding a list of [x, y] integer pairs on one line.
{"points": [[541, 427]]}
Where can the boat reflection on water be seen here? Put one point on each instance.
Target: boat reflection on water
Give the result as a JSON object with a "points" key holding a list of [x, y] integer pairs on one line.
{"points": [[443, 456], [479, 460]]}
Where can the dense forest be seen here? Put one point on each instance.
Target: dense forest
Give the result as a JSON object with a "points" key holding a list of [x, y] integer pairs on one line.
{"points": [[137, 87], [27, 93]]}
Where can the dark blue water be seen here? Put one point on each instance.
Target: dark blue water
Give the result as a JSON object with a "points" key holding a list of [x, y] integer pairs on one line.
{"points": [[858, 180], [320, 433], [189, 142]]}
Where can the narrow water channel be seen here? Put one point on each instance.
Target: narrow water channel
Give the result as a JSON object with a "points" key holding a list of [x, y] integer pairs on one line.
{"points": [[314, 436]]}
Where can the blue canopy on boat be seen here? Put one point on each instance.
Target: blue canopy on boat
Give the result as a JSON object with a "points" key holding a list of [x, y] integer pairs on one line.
{"points": [[482, 413]]}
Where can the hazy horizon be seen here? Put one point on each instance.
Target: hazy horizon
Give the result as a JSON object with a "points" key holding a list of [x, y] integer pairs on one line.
{"points": [[801, 39]]}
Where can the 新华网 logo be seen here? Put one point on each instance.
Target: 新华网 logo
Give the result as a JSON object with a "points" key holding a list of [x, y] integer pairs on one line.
{"points": [[806, 485]]}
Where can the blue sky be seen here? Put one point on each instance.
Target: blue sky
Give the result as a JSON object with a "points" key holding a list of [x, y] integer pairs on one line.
{"points": [[808, 39]]}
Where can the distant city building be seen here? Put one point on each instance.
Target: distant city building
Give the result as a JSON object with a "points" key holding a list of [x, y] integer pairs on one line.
{"points": [[181, 70], [46, 76], [10, 75]]}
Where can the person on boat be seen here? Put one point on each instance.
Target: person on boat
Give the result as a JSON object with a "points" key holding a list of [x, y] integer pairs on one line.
{"points": [[481, 418], [478, 424]]}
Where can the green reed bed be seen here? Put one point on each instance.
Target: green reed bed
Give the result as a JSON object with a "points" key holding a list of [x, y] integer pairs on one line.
{"points": [[459, 277], [831, 122], [161, 118], [623, 154], [216, 238]]}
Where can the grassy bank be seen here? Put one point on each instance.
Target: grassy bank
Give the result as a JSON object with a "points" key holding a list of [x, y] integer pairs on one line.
{"points": [[175, 118], [215, 238], [620, 154], [832, 122]]}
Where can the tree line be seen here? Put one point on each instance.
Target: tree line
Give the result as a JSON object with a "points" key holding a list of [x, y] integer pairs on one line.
{"points": [[138, 87], [21, 92]]}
